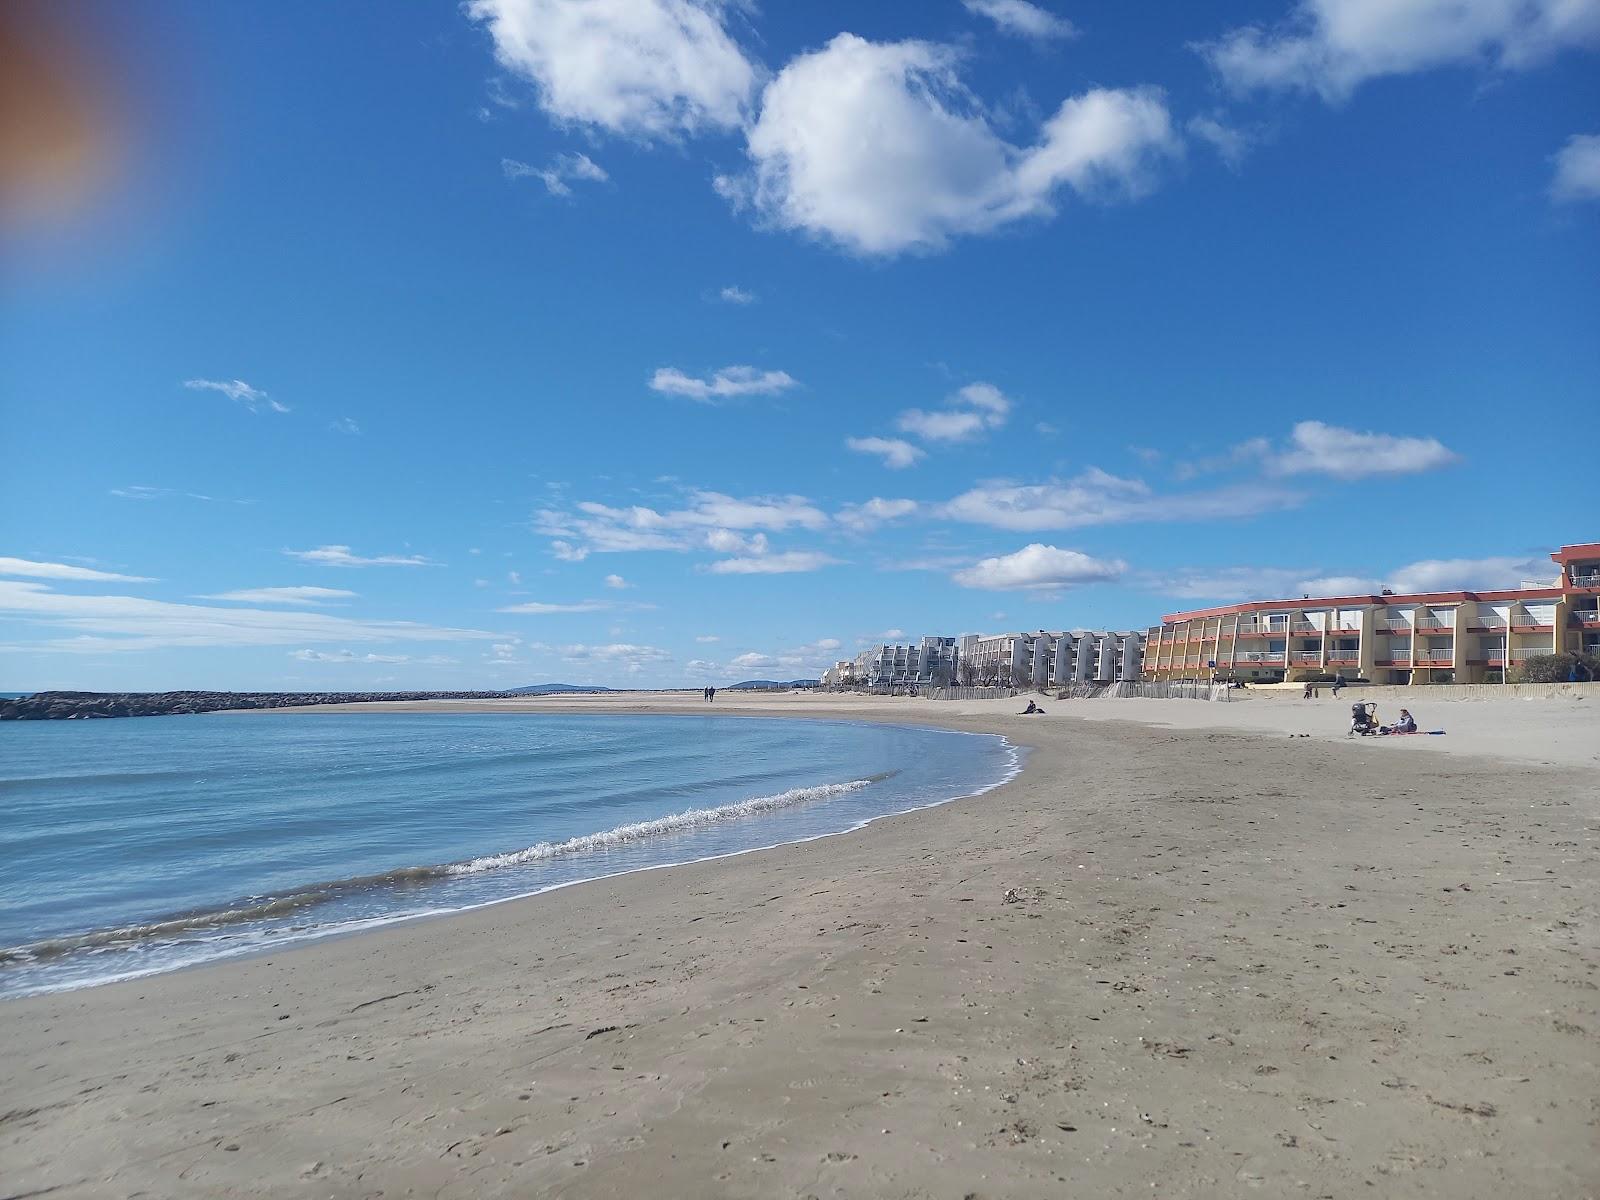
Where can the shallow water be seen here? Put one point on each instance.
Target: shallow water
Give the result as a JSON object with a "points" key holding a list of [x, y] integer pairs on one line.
{"points": [[144, 844]]}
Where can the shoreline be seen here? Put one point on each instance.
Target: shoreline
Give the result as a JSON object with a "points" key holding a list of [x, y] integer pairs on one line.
{"points": [[1017, 756], [1123, 931]]}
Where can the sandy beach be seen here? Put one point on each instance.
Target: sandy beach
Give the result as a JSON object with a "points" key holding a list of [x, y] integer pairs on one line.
{"points": [[1185, 953]]}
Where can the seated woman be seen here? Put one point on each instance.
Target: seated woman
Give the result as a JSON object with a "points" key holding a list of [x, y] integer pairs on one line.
{"points": [[1406, 724], [1031, 709]]}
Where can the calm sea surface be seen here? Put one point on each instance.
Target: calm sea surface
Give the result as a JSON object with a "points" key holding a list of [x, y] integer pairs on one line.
{"points": [[143, 844]]}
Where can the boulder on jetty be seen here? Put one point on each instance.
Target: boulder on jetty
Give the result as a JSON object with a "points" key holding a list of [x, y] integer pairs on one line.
{"points": [[60, 706]]}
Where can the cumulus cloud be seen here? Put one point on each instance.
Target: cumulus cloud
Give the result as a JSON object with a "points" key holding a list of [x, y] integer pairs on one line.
{"points": [[726, 384], [49, 570], [617, 582], [559, 173], [284, 595], [897, 453], [1022, 19], [340, 556], [630, 657], [972, 410], [1037, 567], [1346, 454], [1332, 47], [949, 425], [710, 520], [645, 69], [98, 624], [879, 148], [237, 389], [734, 294], [1470, 574], [788, 563], [1577, 174], [1096, 497]]}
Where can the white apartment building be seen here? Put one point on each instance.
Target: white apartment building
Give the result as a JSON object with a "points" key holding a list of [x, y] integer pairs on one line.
{"points": [[1043, 659], [931, 663]]}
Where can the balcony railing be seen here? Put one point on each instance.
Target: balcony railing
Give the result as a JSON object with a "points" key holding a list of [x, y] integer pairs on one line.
{"points": [[1307, 656], [1303, 626], [1482, 623], [1433, 623], [1435, 657], [1586, 579], [1346, 657], [1260, 656], [1394, 623]]}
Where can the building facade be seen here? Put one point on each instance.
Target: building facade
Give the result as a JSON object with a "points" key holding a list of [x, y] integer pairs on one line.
{"points": [[1043, 659], [1430, 637], [930, 663]]}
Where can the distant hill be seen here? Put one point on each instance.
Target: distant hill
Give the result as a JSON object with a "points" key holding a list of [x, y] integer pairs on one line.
{"points": [[544, 689], [769, 685]]}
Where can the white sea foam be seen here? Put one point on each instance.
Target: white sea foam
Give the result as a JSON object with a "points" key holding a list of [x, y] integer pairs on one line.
{"points": [[675, 823]]}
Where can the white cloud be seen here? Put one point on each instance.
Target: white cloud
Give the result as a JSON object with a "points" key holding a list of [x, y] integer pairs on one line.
{"points": [[129, 623], [1332, 47], [869, 514], [1038, 567], [630, 657], [538, 608], [617, 582], [350, 656], [734, 294], [726, 541], [1347, 454], [895, 452], [1231, 144], [1577, 175], [640, 68], [807, 660], [726, 384], [788, 563], [558, 173], [879, 148], [1469, 574], [141, 492], [49, 570], [340, 556], [345, 425], [1096, 497], [1022, 19], [706, 523], [237, 389], [284, 595], [949, 425], [705, 639]]}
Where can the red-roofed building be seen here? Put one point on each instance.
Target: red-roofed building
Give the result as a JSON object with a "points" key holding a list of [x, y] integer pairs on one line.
{"points": [[1427, 637]]}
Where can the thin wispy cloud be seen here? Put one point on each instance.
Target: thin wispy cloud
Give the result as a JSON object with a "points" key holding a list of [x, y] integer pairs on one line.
{"points": [[1577, 170], [141, 492], [559, 174], [341, 556], [52, 570], [1022, 19], [284, 595], [96, 624], [896, 453], [542, 608], [734, 294], [727, 384], [789, 562], [239, 391]]}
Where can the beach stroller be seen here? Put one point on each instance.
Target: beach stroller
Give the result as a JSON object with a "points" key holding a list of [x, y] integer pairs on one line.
{"points": [[1363, 719]]}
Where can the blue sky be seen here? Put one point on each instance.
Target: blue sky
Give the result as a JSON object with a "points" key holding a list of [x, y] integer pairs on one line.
{"points": [[661, 342]]}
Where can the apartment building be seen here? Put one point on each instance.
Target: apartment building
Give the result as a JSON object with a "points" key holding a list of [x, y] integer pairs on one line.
{"points": [[930, 663], [1044, 659], [1430, 637]]}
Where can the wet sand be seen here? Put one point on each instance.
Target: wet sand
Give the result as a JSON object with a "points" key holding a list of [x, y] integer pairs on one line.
{"points": [[1163, 961]]}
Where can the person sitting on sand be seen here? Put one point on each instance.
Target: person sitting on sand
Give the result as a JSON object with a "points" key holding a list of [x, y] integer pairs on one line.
{"points": [[1032, 710], [1406, 724]]}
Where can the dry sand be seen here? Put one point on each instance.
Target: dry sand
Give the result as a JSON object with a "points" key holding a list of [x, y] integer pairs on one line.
{"points": [[1198, 959]]}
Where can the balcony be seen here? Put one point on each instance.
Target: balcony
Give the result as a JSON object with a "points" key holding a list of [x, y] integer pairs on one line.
{"points": [[1433, 625], [1301, 627], [1486, 625], [1312, 657], [1586, 579], [1396, 658], [1343, 658], [1434, 658], [1586, 616], [1273, 657], [1398, 623]]}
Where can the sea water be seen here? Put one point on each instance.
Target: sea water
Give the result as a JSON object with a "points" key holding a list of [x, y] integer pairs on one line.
{"points": [[140, 845]]}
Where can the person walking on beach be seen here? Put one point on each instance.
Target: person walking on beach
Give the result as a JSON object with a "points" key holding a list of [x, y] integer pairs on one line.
{"points": [[711, 695]]}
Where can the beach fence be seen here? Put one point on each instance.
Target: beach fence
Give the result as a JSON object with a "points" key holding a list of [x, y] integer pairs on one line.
{"points": [[971, 693], [1171, 689]]}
